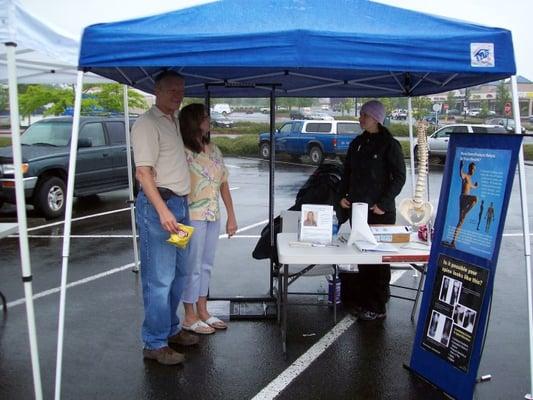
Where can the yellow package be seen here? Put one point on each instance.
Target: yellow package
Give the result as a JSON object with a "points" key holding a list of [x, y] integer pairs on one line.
{"points": [[182, 238]]}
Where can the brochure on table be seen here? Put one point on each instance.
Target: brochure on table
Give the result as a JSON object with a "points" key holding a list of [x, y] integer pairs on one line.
{"points": [[316, 223]]}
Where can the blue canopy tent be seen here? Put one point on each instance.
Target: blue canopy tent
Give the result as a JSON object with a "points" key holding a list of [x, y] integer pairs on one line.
{"points": [[295, 48], [346, 48]]}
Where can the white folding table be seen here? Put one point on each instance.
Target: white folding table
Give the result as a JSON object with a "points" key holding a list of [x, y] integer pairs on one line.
{"points": [[291, 255]]}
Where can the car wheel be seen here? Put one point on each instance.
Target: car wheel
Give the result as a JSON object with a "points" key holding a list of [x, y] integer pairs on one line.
{"points": [[50, 198], [316, 155], [264, 149]]}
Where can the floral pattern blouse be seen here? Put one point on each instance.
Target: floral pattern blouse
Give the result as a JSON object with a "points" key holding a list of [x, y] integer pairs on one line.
{"points": [[207, 172]]}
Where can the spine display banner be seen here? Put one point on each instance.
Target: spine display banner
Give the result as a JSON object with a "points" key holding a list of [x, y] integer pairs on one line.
{"points": [[473, 202]]}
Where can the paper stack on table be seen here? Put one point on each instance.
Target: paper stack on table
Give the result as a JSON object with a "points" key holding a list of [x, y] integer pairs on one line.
{"points": [[361, 234]]}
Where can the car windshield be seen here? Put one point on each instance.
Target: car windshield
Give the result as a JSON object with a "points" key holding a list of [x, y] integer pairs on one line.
{"points": [[50, 133]]}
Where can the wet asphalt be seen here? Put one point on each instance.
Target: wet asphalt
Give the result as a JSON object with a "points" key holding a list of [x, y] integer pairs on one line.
{"points": [[102, 350]]}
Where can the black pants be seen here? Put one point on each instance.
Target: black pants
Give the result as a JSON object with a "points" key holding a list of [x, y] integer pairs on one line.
{"points": [[374, 279]]}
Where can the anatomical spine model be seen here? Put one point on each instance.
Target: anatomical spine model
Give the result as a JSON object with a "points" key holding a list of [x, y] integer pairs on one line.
{"points": [[416, 210]]}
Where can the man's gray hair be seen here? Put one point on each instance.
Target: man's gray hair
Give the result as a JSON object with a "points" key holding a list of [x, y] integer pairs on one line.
{"points": [[169, 73]]}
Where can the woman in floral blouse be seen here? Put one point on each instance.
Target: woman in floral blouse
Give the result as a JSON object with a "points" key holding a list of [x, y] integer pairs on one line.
{"points": [[209, 179]]}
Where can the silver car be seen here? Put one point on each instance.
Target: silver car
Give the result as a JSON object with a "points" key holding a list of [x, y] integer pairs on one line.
{"points": [[507, 123], [438, 141]]}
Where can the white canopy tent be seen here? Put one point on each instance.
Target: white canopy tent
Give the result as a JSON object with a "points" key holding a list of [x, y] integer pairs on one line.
{"points": [[32, 53], [43, 54]]}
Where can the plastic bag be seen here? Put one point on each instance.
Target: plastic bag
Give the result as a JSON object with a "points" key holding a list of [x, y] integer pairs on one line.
{"points": [[181, 239]]}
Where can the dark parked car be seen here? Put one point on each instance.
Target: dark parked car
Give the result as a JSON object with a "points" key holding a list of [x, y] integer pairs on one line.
{"points": [[299, 115], [220, 120], [431, 119], [452, 111], [507, 123], [101, 163]]}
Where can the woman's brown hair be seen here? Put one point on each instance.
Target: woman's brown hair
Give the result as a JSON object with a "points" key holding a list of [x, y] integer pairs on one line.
{"points": [[190, 118]]}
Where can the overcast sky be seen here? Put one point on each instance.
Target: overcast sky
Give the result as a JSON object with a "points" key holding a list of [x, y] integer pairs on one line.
{"points": [[72, 16]]}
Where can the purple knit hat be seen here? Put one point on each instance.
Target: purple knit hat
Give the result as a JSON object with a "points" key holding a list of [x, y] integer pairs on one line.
{"points": [[374, 109]]}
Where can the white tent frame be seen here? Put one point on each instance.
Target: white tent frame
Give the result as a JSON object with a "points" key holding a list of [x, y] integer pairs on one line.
{"points": [[34, 53], [21, 218]]}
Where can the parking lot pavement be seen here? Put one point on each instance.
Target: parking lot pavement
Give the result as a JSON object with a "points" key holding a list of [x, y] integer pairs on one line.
{"points": [[102, 355]]}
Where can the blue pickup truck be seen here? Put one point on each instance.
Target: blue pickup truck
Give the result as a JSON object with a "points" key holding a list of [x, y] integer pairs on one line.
{"points": [[315, 138]]}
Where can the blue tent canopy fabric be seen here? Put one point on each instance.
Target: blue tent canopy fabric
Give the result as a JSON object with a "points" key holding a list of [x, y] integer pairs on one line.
{"points": [[339, 48]]}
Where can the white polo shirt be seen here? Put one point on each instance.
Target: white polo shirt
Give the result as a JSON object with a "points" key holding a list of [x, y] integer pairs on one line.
{"points": [[157, 143]]}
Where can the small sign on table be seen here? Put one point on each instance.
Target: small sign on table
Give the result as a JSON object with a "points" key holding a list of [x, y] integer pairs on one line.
{"points": [[316, 223]]}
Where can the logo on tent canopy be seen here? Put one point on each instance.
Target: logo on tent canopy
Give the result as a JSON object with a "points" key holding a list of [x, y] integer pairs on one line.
{"points": [[482, 54]]}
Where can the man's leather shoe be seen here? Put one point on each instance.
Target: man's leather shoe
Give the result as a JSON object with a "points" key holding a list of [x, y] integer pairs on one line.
{"points": [[164, 355], [184, 338]]}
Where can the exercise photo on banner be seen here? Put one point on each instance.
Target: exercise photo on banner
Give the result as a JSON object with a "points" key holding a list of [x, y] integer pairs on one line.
{"points": [[476, 196], [455, 306]]}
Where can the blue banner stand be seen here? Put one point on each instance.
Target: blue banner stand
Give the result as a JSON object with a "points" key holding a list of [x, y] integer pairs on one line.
{"points": [[454, 312]]}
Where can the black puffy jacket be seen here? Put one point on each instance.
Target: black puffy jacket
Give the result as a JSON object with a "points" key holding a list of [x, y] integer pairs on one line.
{"points": [[374, 170]]}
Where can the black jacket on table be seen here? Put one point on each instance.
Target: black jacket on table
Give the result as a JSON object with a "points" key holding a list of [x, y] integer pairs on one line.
{"points": [[374, 170]]}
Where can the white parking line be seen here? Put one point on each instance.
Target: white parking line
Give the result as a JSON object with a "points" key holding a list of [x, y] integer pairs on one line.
{"points": [[94, 216], [77, 236], [107, 273], [222, 236], [79, 218], [281, 162], [274, 388], [241, 237], [72, 284]]}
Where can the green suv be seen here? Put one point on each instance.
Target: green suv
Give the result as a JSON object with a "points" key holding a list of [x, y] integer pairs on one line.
{"points": [[101, 163]]}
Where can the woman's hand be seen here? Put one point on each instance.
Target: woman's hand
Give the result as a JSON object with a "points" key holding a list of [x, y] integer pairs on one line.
{"points": [[345, 203], [231, 226], [376, 210]]}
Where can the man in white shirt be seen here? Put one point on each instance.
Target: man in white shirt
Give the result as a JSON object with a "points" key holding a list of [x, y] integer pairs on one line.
{"points": [[161, 169]]}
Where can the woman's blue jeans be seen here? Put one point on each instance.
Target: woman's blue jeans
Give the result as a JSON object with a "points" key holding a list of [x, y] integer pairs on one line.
{"points": [[163, 271]]}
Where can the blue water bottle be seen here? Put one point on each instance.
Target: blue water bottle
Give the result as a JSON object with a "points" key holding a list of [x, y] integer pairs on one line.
{"points": [[334, 227]]}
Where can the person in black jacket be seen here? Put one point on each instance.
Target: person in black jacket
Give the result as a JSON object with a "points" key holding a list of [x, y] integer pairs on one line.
{"points": [[374, 173]]}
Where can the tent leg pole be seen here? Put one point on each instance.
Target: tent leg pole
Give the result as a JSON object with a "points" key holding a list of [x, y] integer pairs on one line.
{"points": [[207, 105], [411, 151], [66, 231], [21, 218], [525, 226], [271, 185], [131, 198]]}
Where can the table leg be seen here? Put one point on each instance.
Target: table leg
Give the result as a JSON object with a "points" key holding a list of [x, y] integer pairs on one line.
{"points": [[418, 291], [279, 294], [284, 307], [335, 294]]}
